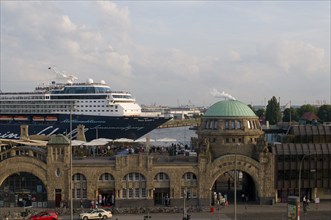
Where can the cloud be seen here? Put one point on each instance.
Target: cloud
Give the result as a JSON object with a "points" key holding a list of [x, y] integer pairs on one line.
{"points": [[294, 56], [100, 40]]}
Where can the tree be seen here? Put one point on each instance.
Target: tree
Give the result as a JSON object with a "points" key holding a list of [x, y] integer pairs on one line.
{"points": [[260, 112], [306, 108], [324, 113], [290, 113], [273, 113]]}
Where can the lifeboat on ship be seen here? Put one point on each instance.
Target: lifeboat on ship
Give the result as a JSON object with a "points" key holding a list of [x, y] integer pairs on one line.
{"points": [[38, 118], [51, 118], [21, 118], [6, 118]]}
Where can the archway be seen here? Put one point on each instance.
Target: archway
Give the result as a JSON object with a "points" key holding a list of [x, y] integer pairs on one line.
{"points": [[223, 174], [223, 188], [106, 190], [23, 189]]}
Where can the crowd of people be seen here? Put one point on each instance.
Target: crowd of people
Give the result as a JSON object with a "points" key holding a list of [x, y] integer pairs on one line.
{"points": [[124, 149]]}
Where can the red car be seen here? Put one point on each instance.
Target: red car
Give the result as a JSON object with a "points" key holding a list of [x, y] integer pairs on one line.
{"points": [[46, 215]]}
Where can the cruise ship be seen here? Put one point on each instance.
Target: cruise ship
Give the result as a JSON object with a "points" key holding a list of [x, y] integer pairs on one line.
{"points": [[51, 108]]}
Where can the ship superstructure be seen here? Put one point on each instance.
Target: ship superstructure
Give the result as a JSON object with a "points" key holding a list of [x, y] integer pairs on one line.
{"points": [[103, 112]]}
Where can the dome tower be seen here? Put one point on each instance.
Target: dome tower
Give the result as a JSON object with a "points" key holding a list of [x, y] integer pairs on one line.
{"points": [[229, 126]]}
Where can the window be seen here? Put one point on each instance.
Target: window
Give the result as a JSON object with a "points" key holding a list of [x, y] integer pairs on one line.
{"points": [[226, 124], [161, 177], [79, 186], [233, 124], [139, 192], [239, 124], [106, 177], [123, 193]]}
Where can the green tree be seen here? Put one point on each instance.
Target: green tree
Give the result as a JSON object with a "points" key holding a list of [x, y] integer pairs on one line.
{"points": [[290, 113], [273, 113], [306, 108], [324, 113], [260, 112]]}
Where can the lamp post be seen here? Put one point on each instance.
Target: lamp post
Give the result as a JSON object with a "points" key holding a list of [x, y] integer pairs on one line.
{"points": [[235, 182], [219, 206], [184, 211], [300, 168], [70, 196]]}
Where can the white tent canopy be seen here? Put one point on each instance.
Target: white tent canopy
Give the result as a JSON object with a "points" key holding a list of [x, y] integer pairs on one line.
{"points": [[124, 140], [143, 140], [77, 142], [96, 142], [166, 140]]}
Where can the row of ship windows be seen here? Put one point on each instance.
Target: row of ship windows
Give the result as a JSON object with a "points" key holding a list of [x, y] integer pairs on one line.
{"points": [[82, 101], [23, 97], [102, 106], [231, 124], [56, 106], [85, 101], [50, 111]]}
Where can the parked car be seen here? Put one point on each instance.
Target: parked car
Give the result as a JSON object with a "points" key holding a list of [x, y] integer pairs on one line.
{"points": [[45, 215], [96, 214]]}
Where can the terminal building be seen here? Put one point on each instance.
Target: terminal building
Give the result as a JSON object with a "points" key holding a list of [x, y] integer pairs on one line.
{"points": [[233, 160]]}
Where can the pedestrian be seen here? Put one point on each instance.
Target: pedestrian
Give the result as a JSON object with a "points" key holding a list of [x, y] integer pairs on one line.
{"points": [[243, 197], [81, 203], [317, 201]]}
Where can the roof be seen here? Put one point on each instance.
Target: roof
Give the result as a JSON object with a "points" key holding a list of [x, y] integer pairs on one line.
{"points": [[302, 149], [309, 116], [229, 108]]}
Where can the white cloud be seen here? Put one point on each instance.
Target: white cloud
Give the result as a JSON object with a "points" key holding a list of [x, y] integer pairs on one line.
{"points": [[294, 56], [168, 67], [67, 24]]}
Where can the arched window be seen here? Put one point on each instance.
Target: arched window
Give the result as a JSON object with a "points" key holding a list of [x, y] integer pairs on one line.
{"points": [[106, 177], [134, 186], [161, 177], [189, 185], [79, 186]]}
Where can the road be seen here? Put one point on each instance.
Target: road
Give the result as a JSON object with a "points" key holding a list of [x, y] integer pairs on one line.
{"points": [[249, 212]]}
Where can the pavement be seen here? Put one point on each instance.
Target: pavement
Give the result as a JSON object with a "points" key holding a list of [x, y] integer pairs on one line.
{"points": [[243, 212]]}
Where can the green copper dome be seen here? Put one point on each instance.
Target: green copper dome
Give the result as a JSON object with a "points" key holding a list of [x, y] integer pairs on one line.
{"points": [[229, 108]]}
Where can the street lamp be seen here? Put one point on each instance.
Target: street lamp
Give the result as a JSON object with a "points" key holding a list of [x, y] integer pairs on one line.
{"points": [[184, 211], [300, 174], [70, 196], [235, 182]]}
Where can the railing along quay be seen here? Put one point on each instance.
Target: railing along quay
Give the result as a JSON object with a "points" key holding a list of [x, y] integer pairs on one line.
{"points": [[173, 124]]}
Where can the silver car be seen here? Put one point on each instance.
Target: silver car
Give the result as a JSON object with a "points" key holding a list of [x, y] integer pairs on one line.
{"points": [[96, 214]]}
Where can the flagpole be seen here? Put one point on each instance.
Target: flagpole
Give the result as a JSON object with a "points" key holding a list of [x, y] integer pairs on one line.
{"points": [[290, 114]]}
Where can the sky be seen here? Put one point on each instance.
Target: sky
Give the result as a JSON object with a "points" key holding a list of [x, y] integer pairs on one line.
{"points": [[173, 53]]}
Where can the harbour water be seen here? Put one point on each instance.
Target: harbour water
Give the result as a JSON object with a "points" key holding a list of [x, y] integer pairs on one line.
{"points": [[181, 134]]}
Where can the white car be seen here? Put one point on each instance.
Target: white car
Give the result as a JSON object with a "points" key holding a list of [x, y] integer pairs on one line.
{"points": [[96, 214]]}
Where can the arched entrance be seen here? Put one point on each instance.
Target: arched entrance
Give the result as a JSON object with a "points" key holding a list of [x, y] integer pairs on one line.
{"points": [[23, 189], [223, 174], [106, 190], [224, 187]]}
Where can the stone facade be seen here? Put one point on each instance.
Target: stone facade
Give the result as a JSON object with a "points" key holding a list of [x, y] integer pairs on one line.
{"points": [[224, 144]]}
